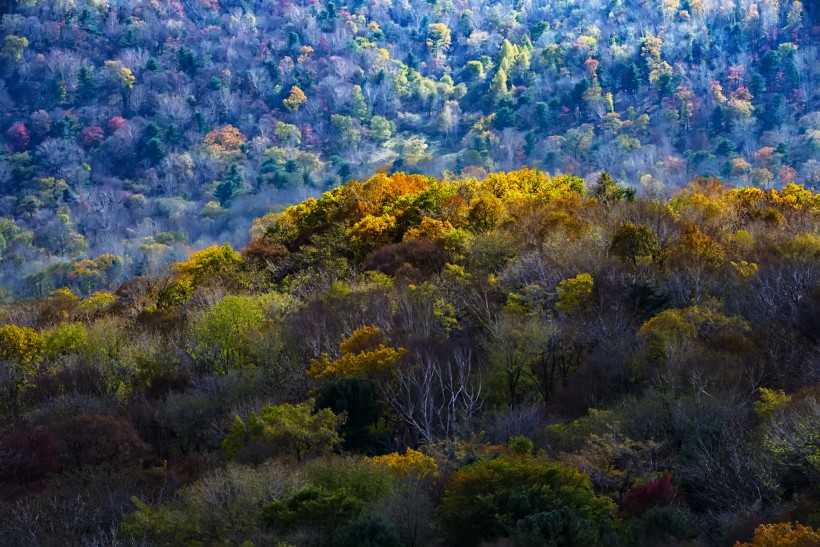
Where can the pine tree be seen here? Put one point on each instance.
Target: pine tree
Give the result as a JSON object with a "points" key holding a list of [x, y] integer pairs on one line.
{"points": [[229, 185], [498, 86]]}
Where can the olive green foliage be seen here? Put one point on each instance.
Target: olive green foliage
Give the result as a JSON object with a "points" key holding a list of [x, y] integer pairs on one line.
{"points": [[287, 429], [20, 351], [335, 493], [221, 507], [531, 500], [632, 241], [771, 401]]}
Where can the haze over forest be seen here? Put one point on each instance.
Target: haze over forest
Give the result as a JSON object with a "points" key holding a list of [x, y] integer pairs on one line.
{"points": [[136, 131]]}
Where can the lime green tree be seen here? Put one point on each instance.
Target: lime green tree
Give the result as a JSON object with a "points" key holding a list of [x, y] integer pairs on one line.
{"points": [[224, 335]]}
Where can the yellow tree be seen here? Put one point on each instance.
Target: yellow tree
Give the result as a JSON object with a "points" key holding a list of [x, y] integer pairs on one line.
{"points": [[364, 355], [575, 294], [370, 233], [411, 464], [438, 38], [20, 351], [295, 100], [13, 48]]}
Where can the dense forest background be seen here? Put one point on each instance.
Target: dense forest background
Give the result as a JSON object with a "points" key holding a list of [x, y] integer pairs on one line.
{"points": [[137, 131]]}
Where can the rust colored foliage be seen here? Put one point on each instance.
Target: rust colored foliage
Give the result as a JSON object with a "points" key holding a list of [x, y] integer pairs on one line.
{"points": [[783, 534], [91, 137], [18, 136], [423, 257], [262, 253], [225, 139], [91, 441]]}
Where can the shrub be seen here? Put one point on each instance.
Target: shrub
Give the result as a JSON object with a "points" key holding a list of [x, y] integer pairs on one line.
{"points": [[520, 445], [659, 524], [294, 429]]}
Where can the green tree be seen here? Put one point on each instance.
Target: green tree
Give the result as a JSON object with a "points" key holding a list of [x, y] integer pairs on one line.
{"points": [[357, 400], [186, 62], [347, 129], [224, 336], [632, 241], [155, 151], [370, 531], [474, 70], [534, 502], [381, 129], [607, 190], [232, 182], [288, 134], [336, 492], [358, 104], [85, 83]]}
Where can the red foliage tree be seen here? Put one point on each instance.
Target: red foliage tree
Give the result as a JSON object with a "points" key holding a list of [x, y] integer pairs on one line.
{"points": [[28, 456], [659, 492], [18, 136], [91, 137], [116, 123]]}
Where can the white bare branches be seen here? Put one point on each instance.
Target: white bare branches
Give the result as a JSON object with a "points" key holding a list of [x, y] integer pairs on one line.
{"points": [[438, 397]]}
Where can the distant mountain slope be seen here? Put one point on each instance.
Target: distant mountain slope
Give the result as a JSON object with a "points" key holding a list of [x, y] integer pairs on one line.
{"points": [[145, 129]]}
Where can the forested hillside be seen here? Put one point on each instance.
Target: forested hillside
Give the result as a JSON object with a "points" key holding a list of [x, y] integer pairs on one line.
{"points": [[405, 361], [135, 131]]}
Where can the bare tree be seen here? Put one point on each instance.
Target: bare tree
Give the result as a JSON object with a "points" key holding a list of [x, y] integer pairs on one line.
{"points": [[438, 397]]}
